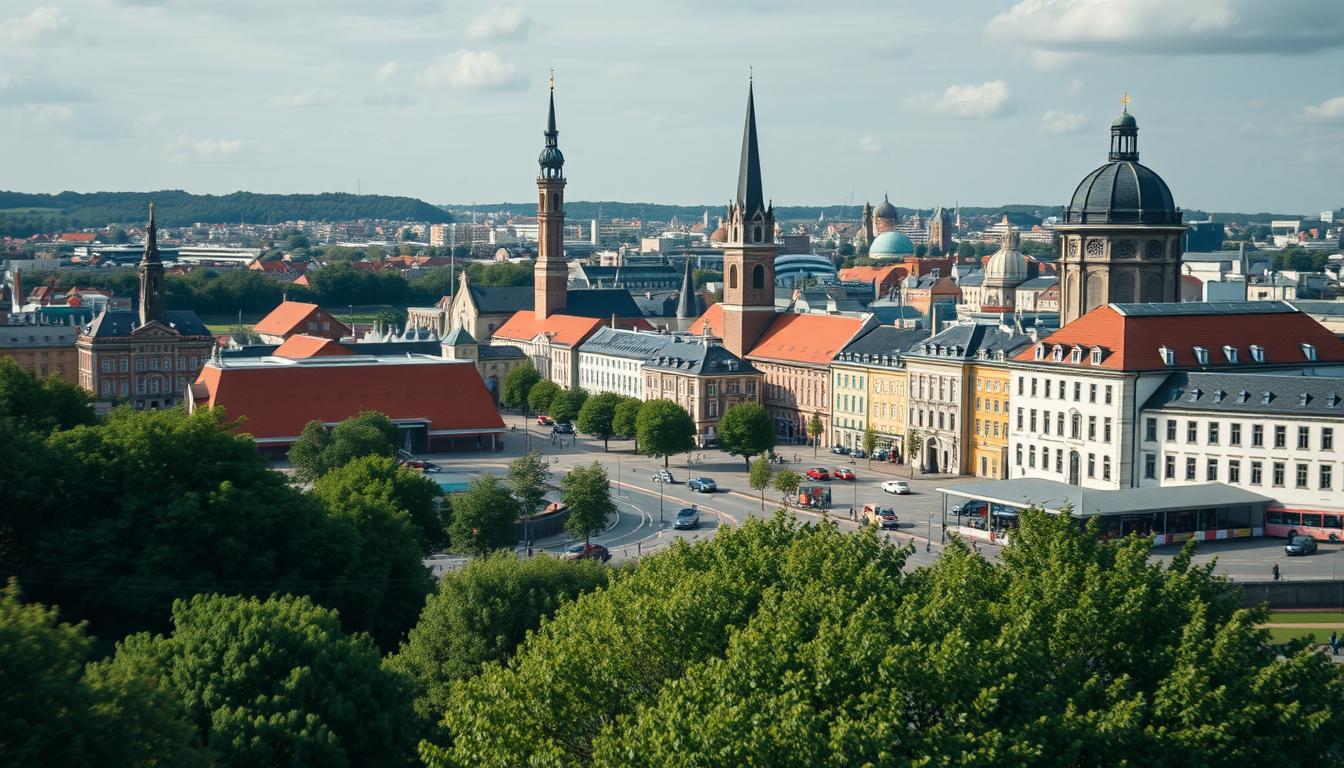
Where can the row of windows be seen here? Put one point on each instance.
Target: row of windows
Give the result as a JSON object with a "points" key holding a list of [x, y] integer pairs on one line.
{"points": [[122, 364], [1212, 467], [1045, 454], [988, 425], [946, 421], [925, 387], [1061, 391], [849, 381], [1213, 434], [849, 403], [152, 387], [1074, 422], [991, 385], [991, 405]]}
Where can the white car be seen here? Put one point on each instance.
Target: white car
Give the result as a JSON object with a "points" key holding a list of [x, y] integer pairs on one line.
{"points": [[896, 486]]}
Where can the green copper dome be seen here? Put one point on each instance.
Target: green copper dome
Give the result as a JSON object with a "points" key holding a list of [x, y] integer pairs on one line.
{"points": [[551, 157], [891, 243], [1125, 120]]}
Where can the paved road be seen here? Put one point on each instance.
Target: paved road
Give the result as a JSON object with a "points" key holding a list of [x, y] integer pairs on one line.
{"points": [[638, 530]]}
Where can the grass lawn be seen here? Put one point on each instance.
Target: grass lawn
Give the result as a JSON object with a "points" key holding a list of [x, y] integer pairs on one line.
{"points": [[1281, 635], [1307, 617]]}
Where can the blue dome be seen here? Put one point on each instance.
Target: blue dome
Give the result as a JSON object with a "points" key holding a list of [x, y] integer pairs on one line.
{"points": [[891, 243]]}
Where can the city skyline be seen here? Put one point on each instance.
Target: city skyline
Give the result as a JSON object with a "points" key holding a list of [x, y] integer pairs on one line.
{"points": [[993, 104]]}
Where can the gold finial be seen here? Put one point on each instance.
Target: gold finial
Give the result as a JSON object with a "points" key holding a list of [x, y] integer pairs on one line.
{"points": [[552, 79], [1124, 100]]}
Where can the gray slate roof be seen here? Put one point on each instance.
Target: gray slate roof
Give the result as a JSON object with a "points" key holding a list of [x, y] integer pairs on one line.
{"points": [[879, 342], [1038, 283], [598, 303], [621, 343], [965, 341], [1189, 308], [1251, 394], [972, 279], [690, 355], [458, 336], [123, 322]]}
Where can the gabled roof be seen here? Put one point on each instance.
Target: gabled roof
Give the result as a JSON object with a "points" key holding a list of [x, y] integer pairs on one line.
{"points": [[301, 346], [458, 336], [286, 318], [116, 323], [790, 338], [869, 274], [1133, 334], [697, 358], [569, 330]]}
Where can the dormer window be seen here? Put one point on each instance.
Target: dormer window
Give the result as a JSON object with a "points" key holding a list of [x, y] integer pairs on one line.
{"points": [[1257, 353], [1310, 351], [1230, 352], [1194, 395], [1097, 352], [1076, 356], [1303, 399], [1167, 354], [1201, 355], [1266, 397], [1243, 396], [925, 349], [1332, 400], [1218, 395], [1040, 352]]}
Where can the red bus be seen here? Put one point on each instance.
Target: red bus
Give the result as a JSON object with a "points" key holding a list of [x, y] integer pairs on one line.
{"points": [[1322, 526]]}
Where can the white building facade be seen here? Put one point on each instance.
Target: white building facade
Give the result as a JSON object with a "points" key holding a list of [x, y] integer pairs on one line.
{"points": [[612, 360]]}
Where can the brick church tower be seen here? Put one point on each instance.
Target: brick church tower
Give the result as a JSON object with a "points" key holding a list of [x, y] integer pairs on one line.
{"points": [[550, 276], [749, 254]]}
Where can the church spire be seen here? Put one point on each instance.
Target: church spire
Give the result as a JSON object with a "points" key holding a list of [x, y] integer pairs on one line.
{"points": [[750, 197], [686, 304], [552, 160], [152, 294], [151, 254]]}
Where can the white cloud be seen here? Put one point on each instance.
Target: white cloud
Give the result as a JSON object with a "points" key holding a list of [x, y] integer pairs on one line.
{"points": [[964, 101], [203, 149], [1330, 110], [387, 71], [870, 144], [498, 23], [1054, 30], [1057, 122], [481, 70], [304, 99], [39, 24]]}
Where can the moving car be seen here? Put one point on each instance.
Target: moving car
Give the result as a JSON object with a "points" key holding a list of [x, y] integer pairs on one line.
{"points": [[545, 420], [663, 476], [818, 473], [563, 428], [702, 485], [1300, 545], [423, 466], [687, 518], [843, 473], [583, 551], [881, 516], [896, 486]]}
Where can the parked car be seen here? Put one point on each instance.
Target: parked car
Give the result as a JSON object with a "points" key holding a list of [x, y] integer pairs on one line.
{"points": [[663, 476], [818, 473], [839, 450], [423, 466], [843, 473], [687, 519], [896, 486], [583, 551], [563, 428], [702, 485], [881, 516], [545, 420], [1300, 545], [858, 453]]}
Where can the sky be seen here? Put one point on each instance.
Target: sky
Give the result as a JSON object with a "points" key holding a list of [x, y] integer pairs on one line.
{"points": [[982, 102]]}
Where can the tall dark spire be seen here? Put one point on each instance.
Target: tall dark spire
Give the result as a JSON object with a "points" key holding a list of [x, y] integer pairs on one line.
{"points": [[152, 294], [552, 160], [750, 197], [686, 302], [151, 255]]}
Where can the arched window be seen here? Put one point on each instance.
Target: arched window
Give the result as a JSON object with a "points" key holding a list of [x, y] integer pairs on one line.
{"points": [[756, 234], [758, 276], [732, 277]]}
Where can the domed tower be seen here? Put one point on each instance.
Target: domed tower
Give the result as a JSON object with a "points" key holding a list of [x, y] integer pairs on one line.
{"points": [[885, 217], [1006, 270], [1120, 241], [749, 253], [550, 275]]}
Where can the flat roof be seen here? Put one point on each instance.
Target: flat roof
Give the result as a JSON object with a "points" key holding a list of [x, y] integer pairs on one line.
{"points": [[1052, 496]]}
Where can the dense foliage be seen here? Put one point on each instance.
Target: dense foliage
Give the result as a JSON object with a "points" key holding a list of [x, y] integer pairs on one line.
{"points": [[597, 416], [320, 450], [587, 492], [664, 429], [483, 517], [566, 404], [517, 384], [377, 480], [745, 430]]}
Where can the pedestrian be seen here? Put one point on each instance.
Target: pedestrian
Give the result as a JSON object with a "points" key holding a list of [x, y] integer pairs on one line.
{"points": [[1276, 571], [1334, 643]]}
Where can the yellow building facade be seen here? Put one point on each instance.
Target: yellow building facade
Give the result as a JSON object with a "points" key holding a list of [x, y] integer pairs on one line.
{"points": [[887, 405], [988, 428]]}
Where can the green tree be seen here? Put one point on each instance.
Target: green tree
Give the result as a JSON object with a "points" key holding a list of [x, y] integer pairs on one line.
{"points": [[480, 614], [318, 451], [517, 384], [745, 430], [541, 394], [528, 478], [40, 406], [625, 422], [597, 415], [566, 404], [587, 493], [814, 430], [277, 682], [664, 428], [55, 712], [869, 443], [760, 476], [914, 443], [483, 517], [378, 479], [786, 482]]}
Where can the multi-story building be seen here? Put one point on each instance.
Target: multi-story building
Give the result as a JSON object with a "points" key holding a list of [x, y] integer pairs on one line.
{"points": [[151, 357], [940, 389], [292, 318], [990, 384], [703, 377], [868, 386], [42, 350], [612, 360], [1076, 394], [492, 362]]}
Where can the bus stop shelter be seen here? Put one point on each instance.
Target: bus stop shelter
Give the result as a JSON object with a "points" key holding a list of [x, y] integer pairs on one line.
{"points": [[1206, 512]]}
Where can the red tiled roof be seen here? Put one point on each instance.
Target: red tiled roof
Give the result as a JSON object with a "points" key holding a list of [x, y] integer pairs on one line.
{"points": [[867, 274], [793, 338], [1132, 342], [301, 346], [285, 318], [569, 330], [276, 401], [77, 237]]}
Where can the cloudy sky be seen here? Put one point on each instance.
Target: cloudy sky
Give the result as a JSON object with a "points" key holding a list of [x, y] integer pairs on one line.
{"points": [[1240, 102]]}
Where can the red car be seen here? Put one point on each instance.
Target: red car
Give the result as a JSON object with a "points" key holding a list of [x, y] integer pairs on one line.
{"points": [[583, 551], [843, 473], [818, 473], [545, 420]]}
